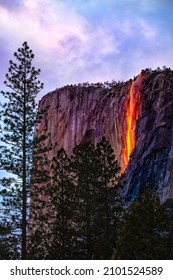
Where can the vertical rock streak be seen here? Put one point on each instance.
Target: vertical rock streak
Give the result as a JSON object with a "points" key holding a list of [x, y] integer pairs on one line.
{"points": [[133, 107], [130, 112]]}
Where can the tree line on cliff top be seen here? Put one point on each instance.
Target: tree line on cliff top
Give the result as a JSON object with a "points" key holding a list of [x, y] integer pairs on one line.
{"points": [[74, 204]]}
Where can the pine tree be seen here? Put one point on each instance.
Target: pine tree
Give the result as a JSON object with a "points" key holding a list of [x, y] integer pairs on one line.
{"points": [[18, 117], [8, 244], [74, 212], [144, 230], [62, 206], [108, 201], [52, 230], [97, 180], [84, 166], [38, 240]]}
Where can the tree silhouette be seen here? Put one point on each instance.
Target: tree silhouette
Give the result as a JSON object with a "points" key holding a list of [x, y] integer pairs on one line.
{"points": [[18, 116], [84, 167], [62, 204], [144, 230], [96, 172], [109, 205], [77, 209]]}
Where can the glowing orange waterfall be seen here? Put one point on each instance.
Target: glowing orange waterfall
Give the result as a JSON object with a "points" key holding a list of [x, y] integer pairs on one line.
{"points": [[133, 107], [130, 110]]}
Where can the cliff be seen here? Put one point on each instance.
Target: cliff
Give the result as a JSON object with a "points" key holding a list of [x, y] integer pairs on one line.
{"points": [[151, 163], [136, 117]]}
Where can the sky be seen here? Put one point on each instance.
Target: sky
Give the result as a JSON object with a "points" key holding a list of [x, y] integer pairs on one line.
{"points": [[76, 41]]}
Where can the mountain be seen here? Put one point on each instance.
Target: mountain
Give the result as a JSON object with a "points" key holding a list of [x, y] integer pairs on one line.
{"points": [[136, 117]]}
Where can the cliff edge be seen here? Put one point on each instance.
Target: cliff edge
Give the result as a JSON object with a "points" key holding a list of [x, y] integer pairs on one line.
{"points": [[136, 117]]}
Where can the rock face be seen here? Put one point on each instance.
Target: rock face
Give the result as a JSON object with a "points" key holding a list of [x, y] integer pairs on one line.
{"points": [[136, 117], [151, 163]]}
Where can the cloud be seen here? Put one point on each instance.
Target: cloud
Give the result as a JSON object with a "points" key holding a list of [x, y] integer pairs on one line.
{"points": [[10, 4], [62, 37], [77, 41], [47, 27], [42, 23]]}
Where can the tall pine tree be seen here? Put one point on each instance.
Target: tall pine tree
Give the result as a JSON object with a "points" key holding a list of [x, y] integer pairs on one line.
{"points": [[96, 174], [62, 204], [109, 205], [18, 116], [84, 165]]}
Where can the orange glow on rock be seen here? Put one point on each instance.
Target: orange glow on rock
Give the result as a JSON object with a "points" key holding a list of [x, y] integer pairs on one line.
{"points": [[133, 107], [130, 110]]}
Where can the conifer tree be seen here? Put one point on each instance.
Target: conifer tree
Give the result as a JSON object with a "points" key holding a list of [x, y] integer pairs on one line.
{"points": [[62, 206], [78, 208], [38, 239], [108, 200], [8, 245], [84, 166], [52, 225], [96, 174], [18, 116], [144, 230]]}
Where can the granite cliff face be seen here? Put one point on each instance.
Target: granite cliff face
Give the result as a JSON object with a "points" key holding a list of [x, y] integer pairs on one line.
{"points": [[136, 117], [151, 163]]}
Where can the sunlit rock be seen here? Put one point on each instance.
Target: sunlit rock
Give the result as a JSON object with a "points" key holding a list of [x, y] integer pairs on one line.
{"points": [[136, 117]]}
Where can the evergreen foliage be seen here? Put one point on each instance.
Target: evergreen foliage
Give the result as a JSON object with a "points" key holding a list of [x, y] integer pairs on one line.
{"points": [[109, 207], [18, 116], [38, 223], [79, 207], [62, 204], [9, 245], [144, 232], [84, 164]]}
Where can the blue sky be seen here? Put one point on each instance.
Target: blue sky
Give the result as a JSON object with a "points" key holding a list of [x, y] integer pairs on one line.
{"points": [[77, 41]]}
